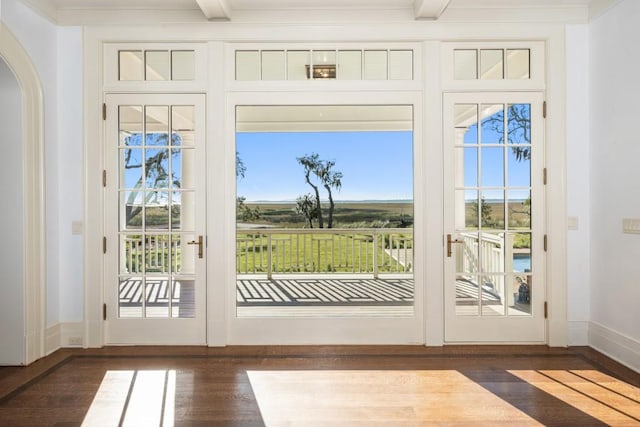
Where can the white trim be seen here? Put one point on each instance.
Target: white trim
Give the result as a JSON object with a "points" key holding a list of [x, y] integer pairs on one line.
{"points": [[598, 8], [556, 190], [93, 196], [619, 347], [52, 339], [64, 335], [33, 171], [431, 35], [578, 332]]}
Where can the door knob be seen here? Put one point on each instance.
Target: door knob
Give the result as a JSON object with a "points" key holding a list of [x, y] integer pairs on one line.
{"points": [[449, 243], [200, 245]]}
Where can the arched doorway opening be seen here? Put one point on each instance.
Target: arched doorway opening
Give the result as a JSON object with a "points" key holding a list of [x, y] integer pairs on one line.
{"points": [[23, 214]]}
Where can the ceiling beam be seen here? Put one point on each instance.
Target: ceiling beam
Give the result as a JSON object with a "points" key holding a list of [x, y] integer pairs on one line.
{"points": [[429, 9], [215, 9]]}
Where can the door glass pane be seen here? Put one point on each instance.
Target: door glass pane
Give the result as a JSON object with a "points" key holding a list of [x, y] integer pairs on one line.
{"points": [[466, 123], [467, 157], [519, 165], [466, 252], [157, 65], [465, 64], [183, 302], [130, 122], [520, 294], [273, 65], [401, 65], [492, 124], [519, 123], [349, 65], [131, 168], [491, 64], [467, 209], [247, 65], [130, 65], [156, 125], [131, 210], [297, 62], [491, 209], [157, 168], [467, 295], [518, 64], [492, 291], [156, 210], [130, 297], [158, 291], [492, 164], [375, 65], [519, 209], [183, 65], [183, 125]]}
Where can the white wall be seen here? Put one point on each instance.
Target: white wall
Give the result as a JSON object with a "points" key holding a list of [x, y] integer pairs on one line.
{"points": [[56, 54], [578, 191], [615, 178], [12, 337]]}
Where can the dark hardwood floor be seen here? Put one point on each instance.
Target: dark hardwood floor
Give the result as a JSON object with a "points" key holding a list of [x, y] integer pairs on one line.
{"points": [[323, 385]]}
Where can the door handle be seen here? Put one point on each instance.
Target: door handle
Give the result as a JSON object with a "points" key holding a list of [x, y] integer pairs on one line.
{"points": [[449, 243], [200, 245]]}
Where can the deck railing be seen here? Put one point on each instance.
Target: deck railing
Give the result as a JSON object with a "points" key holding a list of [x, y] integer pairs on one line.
{"points": [[283, 251]]}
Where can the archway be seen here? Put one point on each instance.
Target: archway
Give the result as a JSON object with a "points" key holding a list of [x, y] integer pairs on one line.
{"points": [[31, 199]]}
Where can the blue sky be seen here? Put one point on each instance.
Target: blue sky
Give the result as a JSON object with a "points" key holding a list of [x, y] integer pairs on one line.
{"points": [[375, 165]]}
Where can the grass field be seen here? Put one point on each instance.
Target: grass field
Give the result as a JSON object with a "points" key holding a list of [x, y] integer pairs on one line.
{"points": [[346, 215]]}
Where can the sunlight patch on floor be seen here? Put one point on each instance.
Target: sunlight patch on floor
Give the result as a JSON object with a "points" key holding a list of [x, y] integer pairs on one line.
{"points": [[612, 401], [378, 398], [134, 398]]}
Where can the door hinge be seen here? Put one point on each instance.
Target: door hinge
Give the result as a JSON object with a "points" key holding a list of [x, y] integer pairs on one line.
{"points": [[104, 311], [544, 109], [544, 176], [104, 178], [104, 111], [544, 243], [545, 310], [104, 245]]}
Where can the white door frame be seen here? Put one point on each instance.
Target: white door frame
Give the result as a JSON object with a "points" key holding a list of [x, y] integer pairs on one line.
{"points": [[33, 171], [325, 330], [552, 35], [497, 329]]}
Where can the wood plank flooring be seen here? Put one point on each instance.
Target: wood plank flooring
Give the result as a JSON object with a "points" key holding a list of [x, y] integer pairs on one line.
{"points": [[321, 386]]}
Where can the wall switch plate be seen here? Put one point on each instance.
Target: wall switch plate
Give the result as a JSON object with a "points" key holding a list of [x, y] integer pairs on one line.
{"points": [[572, 222], [76, 227], [631, 225]]}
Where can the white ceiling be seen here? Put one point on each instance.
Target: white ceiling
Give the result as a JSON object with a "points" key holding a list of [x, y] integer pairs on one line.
{"points": [[249, 10]]}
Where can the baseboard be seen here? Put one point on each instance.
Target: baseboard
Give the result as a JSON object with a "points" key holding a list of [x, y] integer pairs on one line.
{"points": [[578, 332], [619, 347], [64, 335], [52, 339]]}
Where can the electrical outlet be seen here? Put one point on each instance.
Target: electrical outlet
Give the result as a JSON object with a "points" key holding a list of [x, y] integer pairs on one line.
{"points": [[631, 225], [75, 341]]}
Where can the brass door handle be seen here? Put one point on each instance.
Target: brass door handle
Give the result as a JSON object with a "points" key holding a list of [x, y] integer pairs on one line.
{"points": [[200, 245], [449, 243]]}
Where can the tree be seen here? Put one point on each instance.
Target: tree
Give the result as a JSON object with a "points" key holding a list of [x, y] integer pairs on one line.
{"points": [[483, 209], [518, 128], [306, 207], [245, 212], [325, 175], [311, 164], [156, 170]]}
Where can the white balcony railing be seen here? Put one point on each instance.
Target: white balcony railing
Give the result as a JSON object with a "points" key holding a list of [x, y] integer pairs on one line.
{"points": [[282, 251]]}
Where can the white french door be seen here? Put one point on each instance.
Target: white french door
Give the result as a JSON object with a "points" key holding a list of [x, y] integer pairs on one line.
{"points": [[155, 269], [494, 217]]}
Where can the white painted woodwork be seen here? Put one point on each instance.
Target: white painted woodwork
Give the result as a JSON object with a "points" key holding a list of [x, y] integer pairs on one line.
{"points": [[430, 9], [215, 9], [12, 262], [30, 317]]}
